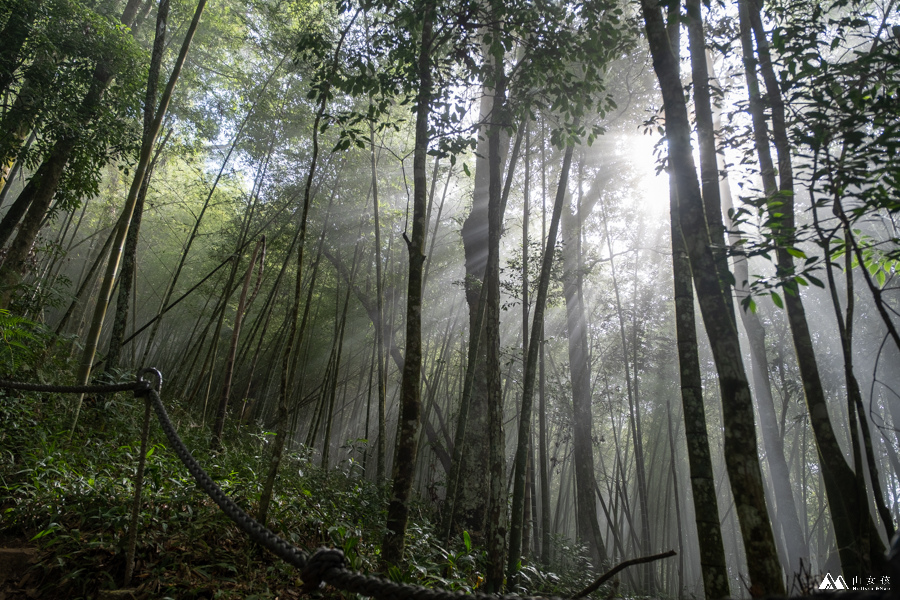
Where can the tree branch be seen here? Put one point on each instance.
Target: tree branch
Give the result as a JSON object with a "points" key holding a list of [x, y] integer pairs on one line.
{"points": [[621, 566]]}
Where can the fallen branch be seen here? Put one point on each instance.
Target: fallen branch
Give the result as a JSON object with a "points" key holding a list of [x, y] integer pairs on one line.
{"points": [[619, 567]]}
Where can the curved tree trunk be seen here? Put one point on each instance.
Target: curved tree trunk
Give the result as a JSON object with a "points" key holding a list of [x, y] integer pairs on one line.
{"points": [[147, 143]]}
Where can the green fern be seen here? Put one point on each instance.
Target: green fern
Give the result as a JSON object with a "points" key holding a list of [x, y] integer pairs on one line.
{"points": [[19, 342]]}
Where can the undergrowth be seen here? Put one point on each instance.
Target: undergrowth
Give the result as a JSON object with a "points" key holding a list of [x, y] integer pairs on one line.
{"points": [[71, 499]]}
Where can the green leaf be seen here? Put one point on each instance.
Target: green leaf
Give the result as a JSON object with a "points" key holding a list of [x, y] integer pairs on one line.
{"points": [[815, 281], [48, 531], [777, 299], [795, 252], [467, 541]]}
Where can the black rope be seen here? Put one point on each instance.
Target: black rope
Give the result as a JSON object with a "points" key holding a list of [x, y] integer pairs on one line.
{"points": [[257, 532], [326, 565], [69, 389]]}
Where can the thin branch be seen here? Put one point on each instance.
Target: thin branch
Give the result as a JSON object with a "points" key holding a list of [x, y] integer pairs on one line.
{"points": [[619, 567]]}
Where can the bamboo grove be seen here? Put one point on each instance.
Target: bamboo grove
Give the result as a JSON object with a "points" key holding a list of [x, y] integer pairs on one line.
{"points": [[579, 281]]}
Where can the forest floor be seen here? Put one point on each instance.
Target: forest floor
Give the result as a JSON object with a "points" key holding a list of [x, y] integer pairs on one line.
{"points": [[65, 506], [66, 499]]}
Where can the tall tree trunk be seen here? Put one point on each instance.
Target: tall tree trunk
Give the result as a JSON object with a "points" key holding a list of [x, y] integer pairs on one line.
{"points": [[470, 502], [851, 519], [149, 139], [706, 140], [529, 483], [579, 364], [713, 567], [496, 529], [786, 509], [126, 281], [410, 386], [543, 450], [676, 492], [534, 345], [379, 322], [737, 409]]}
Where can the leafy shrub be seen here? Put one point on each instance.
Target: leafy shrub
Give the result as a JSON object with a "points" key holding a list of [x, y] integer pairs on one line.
{"points": [[29, 350], [72, 499], [19, 339]]}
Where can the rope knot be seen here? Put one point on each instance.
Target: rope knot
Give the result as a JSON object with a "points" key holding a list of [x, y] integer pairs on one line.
{"points": [[322, 561], [142, 387]]}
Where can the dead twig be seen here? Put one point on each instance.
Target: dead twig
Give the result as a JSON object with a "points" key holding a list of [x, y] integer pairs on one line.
{"points": [[619, 567]]}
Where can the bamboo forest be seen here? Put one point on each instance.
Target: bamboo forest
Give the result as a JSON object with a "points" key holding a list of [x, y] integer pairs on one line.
{"points": [[556, 298]]}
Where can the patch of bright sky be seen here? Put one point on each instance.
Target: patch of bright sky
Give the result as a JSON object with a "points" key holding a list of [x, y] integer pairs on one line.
{"points": [[651, 191]]}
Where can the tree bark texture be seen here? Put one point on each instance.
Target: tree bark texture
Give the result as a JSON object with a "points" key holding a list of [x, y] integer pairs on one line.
{"points": [[497, 522], [404, 467], [470, 506], [741, 456], [703, 486], [588, 526], [851, 520]]}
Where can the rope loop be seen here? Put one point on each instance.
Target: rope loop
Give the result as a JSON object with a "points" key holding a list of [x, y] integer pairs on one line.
{"points": [[142, 387], [324, 560]]}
